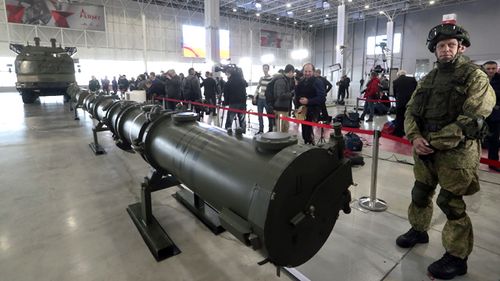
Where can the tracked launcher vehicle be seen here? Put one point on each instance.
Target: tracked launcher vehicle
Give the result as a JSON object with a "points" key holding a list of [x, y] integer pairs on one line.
{"points": [[43, 71]]}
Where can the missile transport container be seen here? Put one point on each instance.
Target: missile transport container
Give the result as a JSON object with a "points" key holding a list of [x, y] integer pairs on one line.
{"points": [[43, 71]]}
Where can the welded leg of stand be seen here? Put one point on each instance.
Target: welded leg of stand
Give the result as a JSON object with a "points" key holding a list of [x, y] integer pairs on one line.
{"points": [[371, 202], [203, 211], [141, 213], [76, 113], [95, 146]]}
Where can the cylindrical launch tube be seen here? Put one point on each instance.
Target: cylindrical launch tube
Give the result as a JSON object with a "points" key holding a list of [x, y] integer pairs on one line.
{"points": [[278, 196]]}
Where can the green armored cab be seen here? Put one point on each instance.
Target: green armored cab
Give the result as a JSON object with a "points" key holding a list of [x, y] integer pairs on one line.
{"points": [[43, 71]]}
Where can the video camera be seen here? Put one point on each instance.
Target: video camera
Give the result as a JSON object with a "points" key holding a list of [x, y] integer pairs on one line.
{"points": [[378, 69], [229, 68]]}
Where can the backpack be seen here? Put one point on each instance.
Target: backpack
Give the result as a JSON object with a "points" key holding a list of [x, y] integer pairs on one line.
{"points": [[353, 142], [350, 120], [270, 91]]}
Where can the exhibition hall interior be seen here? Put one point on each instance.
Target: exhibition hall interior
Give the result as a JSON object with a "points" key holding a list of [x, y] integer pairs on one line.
{"points": [[344, 140]]}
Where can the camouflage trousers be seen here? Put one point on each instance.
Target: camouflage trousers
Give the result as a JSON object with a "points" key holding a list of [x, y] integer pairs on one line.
{"points": [[457, 235]]}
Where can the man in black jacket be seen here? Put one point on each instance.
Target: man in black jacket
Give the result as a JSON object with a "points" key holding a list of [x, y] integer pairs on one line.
{"points": [[403, 87], [210, 92], [283, 95], [157, 88], [493, 120], [172, 88], [235, 96], [94, 85], [324, 116], [310, 92]]}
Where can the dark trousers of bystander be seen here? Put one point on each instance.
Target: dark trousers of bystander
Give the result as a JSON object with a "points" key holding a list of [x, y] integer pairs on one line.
{"points": [[492, 141], [307, 131]]}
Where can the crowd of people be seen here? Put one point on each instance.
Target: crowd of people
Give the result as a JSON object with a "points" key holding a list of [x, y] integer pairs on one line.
{"points": [[303, 89]]}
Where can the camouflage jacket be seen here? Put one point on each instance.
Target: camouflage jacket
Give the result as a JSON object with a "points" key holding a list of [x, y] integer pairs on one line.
{"points": [[454, 96]]}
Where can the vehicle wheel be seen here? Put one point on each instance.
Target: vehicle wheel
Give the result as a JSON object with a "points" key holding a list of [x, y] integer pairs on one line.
{"points": [[29, 97]]}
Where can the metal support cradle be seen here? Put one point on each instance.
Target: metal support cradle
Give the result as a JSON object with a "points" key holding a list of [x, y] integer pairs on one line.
{"points": [[141, 213], [95, 146]]}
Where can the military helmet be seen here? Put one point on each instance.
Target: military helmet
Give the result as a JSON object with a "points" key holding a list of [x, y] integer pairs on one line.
{"points": [[447, 31]]}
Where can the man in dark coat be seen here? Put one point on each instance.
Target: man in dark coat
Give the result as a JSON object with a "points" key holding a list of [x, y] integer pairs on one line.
{"points": [[310, 92], [114, 85], [94, 85], [493, 120], [172, 88], [210, 92], [403, 87], [235, 96], [157, 88]]}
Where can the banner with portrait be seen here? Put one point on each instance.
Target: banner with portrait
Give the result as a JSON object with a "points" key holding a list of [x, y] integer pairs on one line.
{"points": [[55, 14], [270, 39]]}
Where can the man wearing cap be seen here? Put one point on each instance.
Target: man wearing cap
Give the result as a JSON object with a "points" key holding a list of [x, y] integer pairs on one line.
{"points": [[445, 122]]}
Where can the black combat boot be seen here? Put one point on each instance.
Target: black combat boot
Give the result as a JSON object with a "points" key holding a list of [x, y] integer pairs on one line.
{"points": [[411, 238], [448, 267]]}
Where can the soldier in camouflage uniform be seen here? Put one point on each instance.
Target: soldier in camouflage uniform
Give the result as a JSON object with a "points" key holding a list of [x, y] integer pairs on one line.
{"points": [[445, 121]]}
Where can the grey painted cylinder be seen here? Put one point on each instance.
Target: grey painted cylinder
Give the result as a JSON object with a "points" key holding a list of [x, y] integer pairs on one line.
{"points": [[283, 202]]}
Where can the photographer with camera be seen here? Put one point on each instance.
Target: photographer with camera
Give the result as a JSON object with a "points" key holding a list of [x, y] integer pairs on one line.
{"points": [[235, 96]]}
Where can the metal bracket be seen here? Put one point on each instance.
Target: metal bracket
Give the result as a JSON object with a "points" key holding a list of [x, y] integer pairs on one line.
{"points": [[95, 146], [141, 213], [199, 208]]}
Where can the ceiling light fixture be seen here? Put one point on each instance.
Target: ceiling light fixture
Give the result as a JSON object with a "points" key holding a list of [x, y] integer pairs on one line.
{"points": [[290, 13], [309, 10], [310, 25], [258, 6], [258, 14], [277, 18], [294, 22], [234, 10], [367, 6], [288, 5], [431, 2]]}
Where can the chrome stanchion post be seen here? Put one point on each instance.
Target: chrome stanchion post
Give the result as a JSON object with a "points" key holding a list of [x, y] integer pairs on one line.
{"points": [[278, 123], [371, 202], [163, 102], [248, 117], [357, 104]]}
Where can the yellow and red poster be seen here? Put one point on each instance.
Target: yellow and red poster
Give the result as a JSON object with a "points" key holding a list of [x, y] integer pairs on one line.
{"points": [[194, 38], [56, 14]]}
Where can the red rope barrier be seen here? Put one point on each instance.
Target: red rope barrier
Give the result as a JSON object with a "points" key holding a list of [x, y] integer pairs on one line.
{"points": [[320, 125]]}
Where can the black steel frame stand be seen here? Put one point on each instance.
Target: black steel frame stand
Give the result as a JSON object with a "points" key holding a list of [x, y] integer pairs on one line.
{"points": [[141, 213], [203, 211], [95, 146]]}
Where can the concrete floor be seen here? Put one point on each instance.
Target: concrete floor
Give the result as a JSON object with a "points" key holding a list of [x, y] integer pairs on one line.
{"points": [[63, 215]]}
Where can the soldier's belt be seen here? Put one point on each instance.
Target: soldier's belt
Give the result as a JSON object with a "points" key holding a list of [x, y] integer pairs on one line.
{"points": [[432, 127]]}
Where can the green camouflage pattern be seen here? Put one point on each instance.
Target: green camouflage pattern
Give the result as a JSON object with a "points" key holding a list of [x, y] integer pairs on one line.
{"points": [[455, 162]]}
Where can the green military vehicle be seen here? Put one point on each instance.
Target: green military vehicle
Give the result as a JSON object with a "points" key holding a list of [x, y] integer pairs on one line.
{"points": [[43, 71]]}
